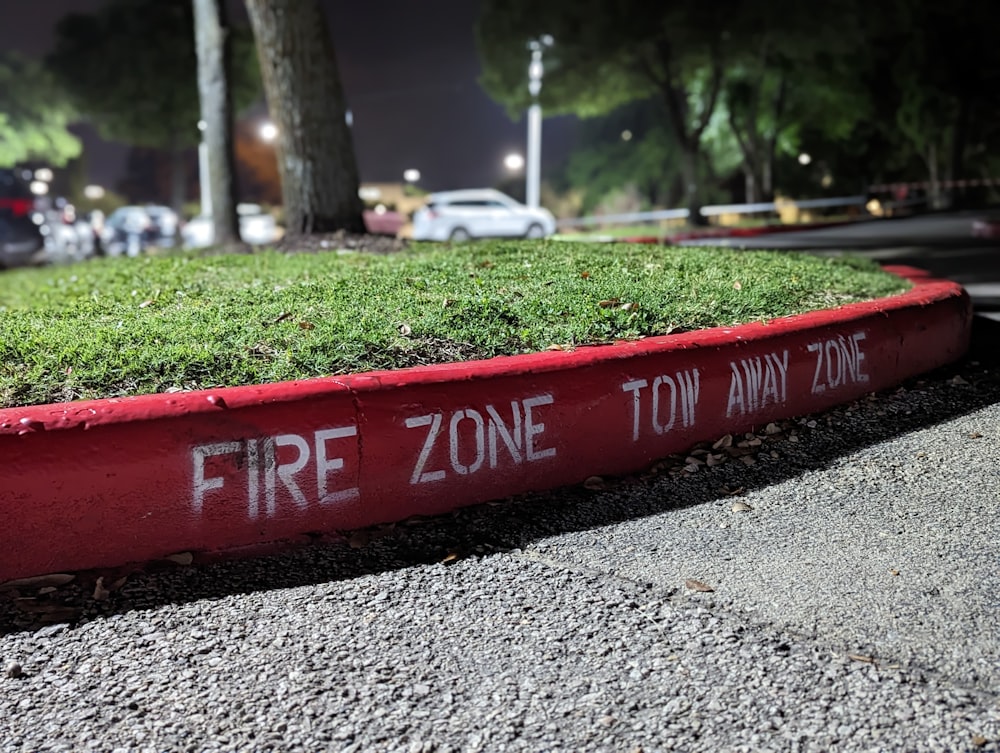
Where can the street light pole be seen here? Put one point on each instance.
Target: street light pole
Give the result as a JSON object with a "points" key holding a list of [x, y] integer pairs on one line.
{"points": [[535, 72], [205, 190]]}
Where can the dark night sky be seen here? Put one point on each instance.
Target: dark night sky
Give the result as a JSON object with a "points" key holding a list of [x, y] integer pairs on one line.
{"points": [[409, 70]]}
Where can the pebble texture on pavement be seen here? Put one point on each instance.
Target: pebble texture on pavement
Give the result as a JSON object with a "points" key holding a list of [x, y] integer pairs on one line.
{"points": [[853, 607]]}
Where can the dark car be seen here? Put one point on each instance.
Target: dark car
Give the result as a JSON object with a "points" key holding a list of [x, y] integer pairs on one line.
{"points": [[21, 240]]}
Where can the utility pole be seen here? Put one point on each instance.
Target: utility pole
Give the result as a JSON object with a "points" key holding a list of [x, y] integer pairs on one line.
{"points": [[535, 72]]}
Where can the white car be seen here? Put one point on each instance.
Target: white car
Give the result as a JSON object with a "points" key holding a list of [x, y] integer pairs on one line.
{"points": [[257, 227], [479, 213]]}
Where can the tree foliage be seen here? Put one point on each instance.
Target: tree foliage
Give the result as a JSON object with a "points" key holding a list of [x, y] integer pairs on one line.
{"points": [[131, 68], [879, 89], [609, 52], [34, 115]]}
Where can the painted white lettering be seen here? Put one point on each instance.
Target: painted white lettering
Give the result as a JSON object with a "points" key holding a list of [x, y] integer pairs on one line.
{"points": [[511, 437], [817, 386], [756, 383], [477, 419], [839, 361], [859, 356], [532, 429], [690, 388], [673, 404], [657, 426], [434, 421], [833, 378], [284, 471], [326, 465], [736, 398], [634, 386], [781, 364], [202, 484]]}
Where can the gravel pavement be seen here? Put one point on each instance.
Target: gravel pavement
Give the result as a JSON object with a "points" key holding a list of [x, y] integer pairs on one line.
{"points": [[852, 560]]}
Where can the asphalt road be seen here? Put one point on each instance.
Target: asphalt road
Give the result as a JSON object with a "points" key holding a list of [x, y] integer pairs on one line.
{"points": [[942, 244], [853, 607]]}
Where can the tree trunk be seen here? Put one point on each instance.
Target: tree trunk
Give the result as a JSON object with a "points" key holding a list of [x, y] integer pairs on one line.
{"points": [[212, 43], [767, 178], [319, 176], [750, 183], [692, 198]]}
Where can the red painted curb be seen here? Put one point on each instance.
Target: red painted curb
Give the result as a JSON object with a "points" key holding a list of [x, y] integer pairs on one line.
{"points": [[107, 482]]}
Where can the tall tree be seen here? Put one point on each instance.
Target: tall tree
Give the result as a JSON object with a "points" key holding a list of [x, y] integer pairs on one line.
{"points": [[34, 115], [630, 146], [131, 68], [792, 66], [319, 176], [213, 43], [947, 73], [608, 52]]}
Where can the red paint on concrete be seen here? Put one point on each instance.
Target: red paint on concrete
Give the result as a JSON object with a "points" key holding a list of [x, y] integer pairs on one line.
{"points": [[107, 482]]}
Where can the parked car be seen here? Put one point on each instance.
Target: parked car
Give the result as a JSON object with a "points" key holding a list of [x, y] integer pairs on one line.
{"points": [[21, 238], [478, 213], [131, 230], [68, 237], [256, 227]]}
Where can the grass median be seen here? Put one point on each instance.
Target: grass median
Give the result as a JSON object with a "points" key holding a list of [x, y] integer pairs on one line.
{"points": [[113, 327]]}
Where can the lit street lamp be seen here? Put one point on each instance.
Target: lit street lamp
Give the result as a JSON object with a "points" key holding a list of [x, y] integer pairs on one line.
{"points": [[535, 72], [268, 132], [513, 162], [411, 176]]}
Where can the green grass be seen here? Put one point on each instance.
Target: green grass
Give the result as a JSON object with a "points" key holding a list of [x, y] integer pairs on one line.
{"points": [[129, 326]]}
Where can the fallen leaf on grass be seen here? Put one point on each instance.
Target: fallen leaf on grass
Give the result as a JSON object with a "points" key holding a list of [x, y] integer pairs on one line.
{"points": [[894, 572], [609, 303], [979, 741], [307, 325], [737, 285], [697, 585], [975, 435], [585, 275], [451, 557], [404, 330], [145, 304], [281, 317]]}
